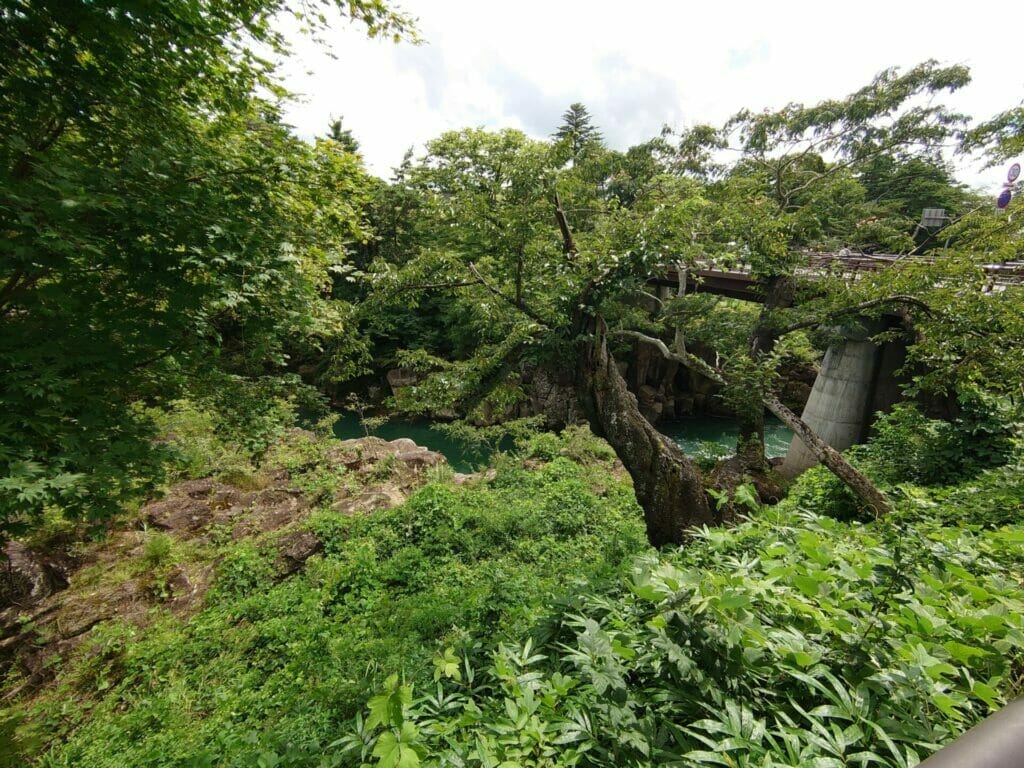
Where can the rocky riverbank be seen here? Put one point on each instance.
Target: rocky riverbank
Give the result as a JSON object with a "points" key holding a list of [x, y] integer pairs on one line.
{"points": [[53, 597]]}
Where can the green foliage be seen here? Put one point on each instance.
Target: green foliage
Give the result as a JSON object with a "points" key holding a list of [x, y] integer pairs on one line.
{"points": [[908, 446], [577, 130], [575, 442], [994, 498], [271, 666], [245, 570], [164, 233], [199, 443], [820, 490], [790, 640], [157, 550]]}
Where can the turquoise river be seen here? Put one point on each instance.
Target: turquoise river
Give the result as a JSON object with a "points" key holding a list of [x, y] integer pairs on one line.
{"points": [[705, 435]]}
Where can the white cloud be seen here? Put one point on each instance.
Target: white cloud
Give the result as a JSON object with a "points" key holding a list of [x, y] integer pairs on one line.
{"points": [[636, 66]]}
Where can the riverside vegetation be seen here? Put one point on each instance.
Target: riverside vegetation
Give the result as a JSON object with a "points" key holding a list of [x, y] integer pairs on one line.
{"points": [[197, 573], [521, 618]]}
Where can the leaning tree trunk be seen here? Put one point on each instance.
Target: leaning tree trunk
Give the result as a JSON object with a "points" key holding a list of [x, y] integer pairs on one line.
{"points": [[667, 484], [831, 458]]}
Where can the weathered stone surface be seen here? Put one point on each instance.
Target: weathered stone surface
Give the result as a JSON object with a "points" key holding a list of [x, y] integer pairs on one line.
{"points": [[270, 510], [420, 459], [26, 577], [295, 548], [55, 610], [405, 444], [192, 507], [398, 378], [551, 394], [651, 403], [369, 501], [461, 478]]}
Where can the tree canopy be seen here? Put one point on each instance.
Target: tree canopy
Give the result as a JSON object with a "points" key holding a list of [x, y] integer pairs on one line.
{"points": [[577, 129], [164, 232]]}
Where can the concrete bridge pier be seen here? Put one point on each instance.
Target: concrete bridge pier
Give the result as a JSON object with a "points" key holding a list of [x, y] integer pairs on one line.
{"points": [[855, 382]]}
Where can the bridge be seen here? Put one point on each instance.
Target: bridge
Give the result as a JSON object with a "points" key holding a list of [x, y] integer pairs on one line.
{"points": [[857, 376], [740, 283]]}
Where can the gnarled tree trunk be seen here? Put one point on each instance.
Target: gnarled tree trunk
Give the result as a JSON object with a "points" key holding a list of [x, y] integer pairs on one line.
{"points": [[667, 484]]}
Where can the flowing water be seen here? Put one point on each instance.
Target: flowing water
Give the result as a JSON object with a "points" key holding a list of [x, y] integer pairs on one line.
{"points": [[698, 436]]}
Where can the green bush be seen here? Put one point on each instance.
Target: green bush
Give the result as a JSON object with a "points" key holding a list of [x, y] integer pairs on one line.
{"points": [[156, 552], [819, 490], [791, 640], [906, 446], [244, 570], [575, 442], [271, 666]]}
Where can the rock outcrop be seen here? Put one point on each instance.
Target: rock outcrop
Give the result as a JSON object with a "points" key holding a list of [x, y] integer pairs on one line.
{"points": [[49, 607]]}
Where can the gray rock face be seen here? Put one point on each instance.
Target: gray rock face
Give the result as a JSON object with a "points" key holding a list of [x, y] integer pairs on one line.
{"points": [[26, 576], [401, 377], [551, 394]]}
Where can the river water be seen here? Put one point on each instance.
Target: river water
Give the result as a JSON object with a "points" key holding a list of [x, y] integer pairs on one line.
{"points": [[699, 436]]}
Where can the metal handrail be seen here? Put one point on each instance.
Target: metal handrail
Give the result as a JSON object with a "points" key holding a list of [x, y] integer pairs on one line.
{"points": [[995, 742]]}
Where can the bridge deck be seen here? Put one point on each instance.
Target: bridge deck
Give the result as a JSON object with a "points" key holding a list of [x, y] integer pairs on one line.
{"points": [[738, 283]]}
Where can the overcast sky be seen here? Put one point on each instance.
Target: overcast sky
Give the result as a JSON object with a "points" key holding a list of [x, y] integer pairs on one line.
{"points": [[637, 65]]}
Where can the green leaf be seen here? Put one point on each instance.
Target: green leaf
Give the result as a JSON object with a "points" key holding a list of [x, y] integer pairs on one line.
{"points": [[809, 585], [397, 751]]}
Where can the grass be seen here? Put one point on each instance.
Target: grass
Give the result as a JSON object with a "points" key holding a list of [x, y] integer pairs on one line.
{"points": [[274, 664]]}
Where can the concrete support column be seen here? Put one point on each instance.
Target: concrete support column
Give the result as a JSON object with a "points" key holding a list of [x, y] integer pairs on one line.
{"points": [[855, 381]]}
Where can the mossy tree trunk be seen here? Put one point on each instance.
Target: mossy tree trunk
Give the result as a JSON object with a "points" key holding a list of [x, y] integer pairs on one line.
{"points": [[668, 486]]}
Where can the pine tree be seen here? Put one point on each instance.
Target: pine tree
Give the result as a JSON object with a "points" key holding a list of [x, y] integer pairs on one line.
{"points": [[343, 136], [578, 129]]}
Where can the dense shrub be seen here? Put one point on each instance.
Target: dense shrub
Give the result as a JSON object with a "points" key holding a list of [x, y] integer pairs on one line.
{"points": [[791, 640], [907, 446], [269, 670]]}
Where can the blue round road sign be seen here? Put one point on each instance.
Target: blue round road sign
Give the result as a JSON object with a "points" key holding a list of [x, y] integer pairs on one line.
{"points": [[1004, 199], [1013, 173]]}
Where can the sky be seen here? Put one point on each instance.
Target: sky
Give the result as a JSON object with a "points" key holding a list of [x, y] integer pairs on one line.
{"points": [[637, 65]]}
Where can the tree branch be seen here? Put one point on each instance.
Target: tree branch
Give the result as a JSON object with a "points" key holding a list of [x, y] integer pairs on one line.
{"points": [[652, 297], [521, 306], [433, 286], [568, 244], [855, 480], [823, 452], [814, 321], [687, 359]]}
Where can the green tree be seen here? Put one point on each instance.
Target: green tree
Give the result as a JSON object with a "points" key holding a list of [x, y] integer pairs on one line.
{"points": [[795, 197], [162, 232], [562, 289], [577, 129], [343, 136]]}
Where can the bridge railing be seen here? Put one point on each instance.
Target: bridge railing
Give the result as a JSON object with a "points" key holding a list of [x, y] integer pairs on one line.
{"points": [[849, 266]]}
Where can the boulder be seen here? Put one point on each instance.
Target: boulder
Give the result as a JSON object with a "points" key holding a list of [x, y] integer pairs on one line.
{"points": [[27, 577], [295, 549], [370, 501], [420, 459], [190, 508]]}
